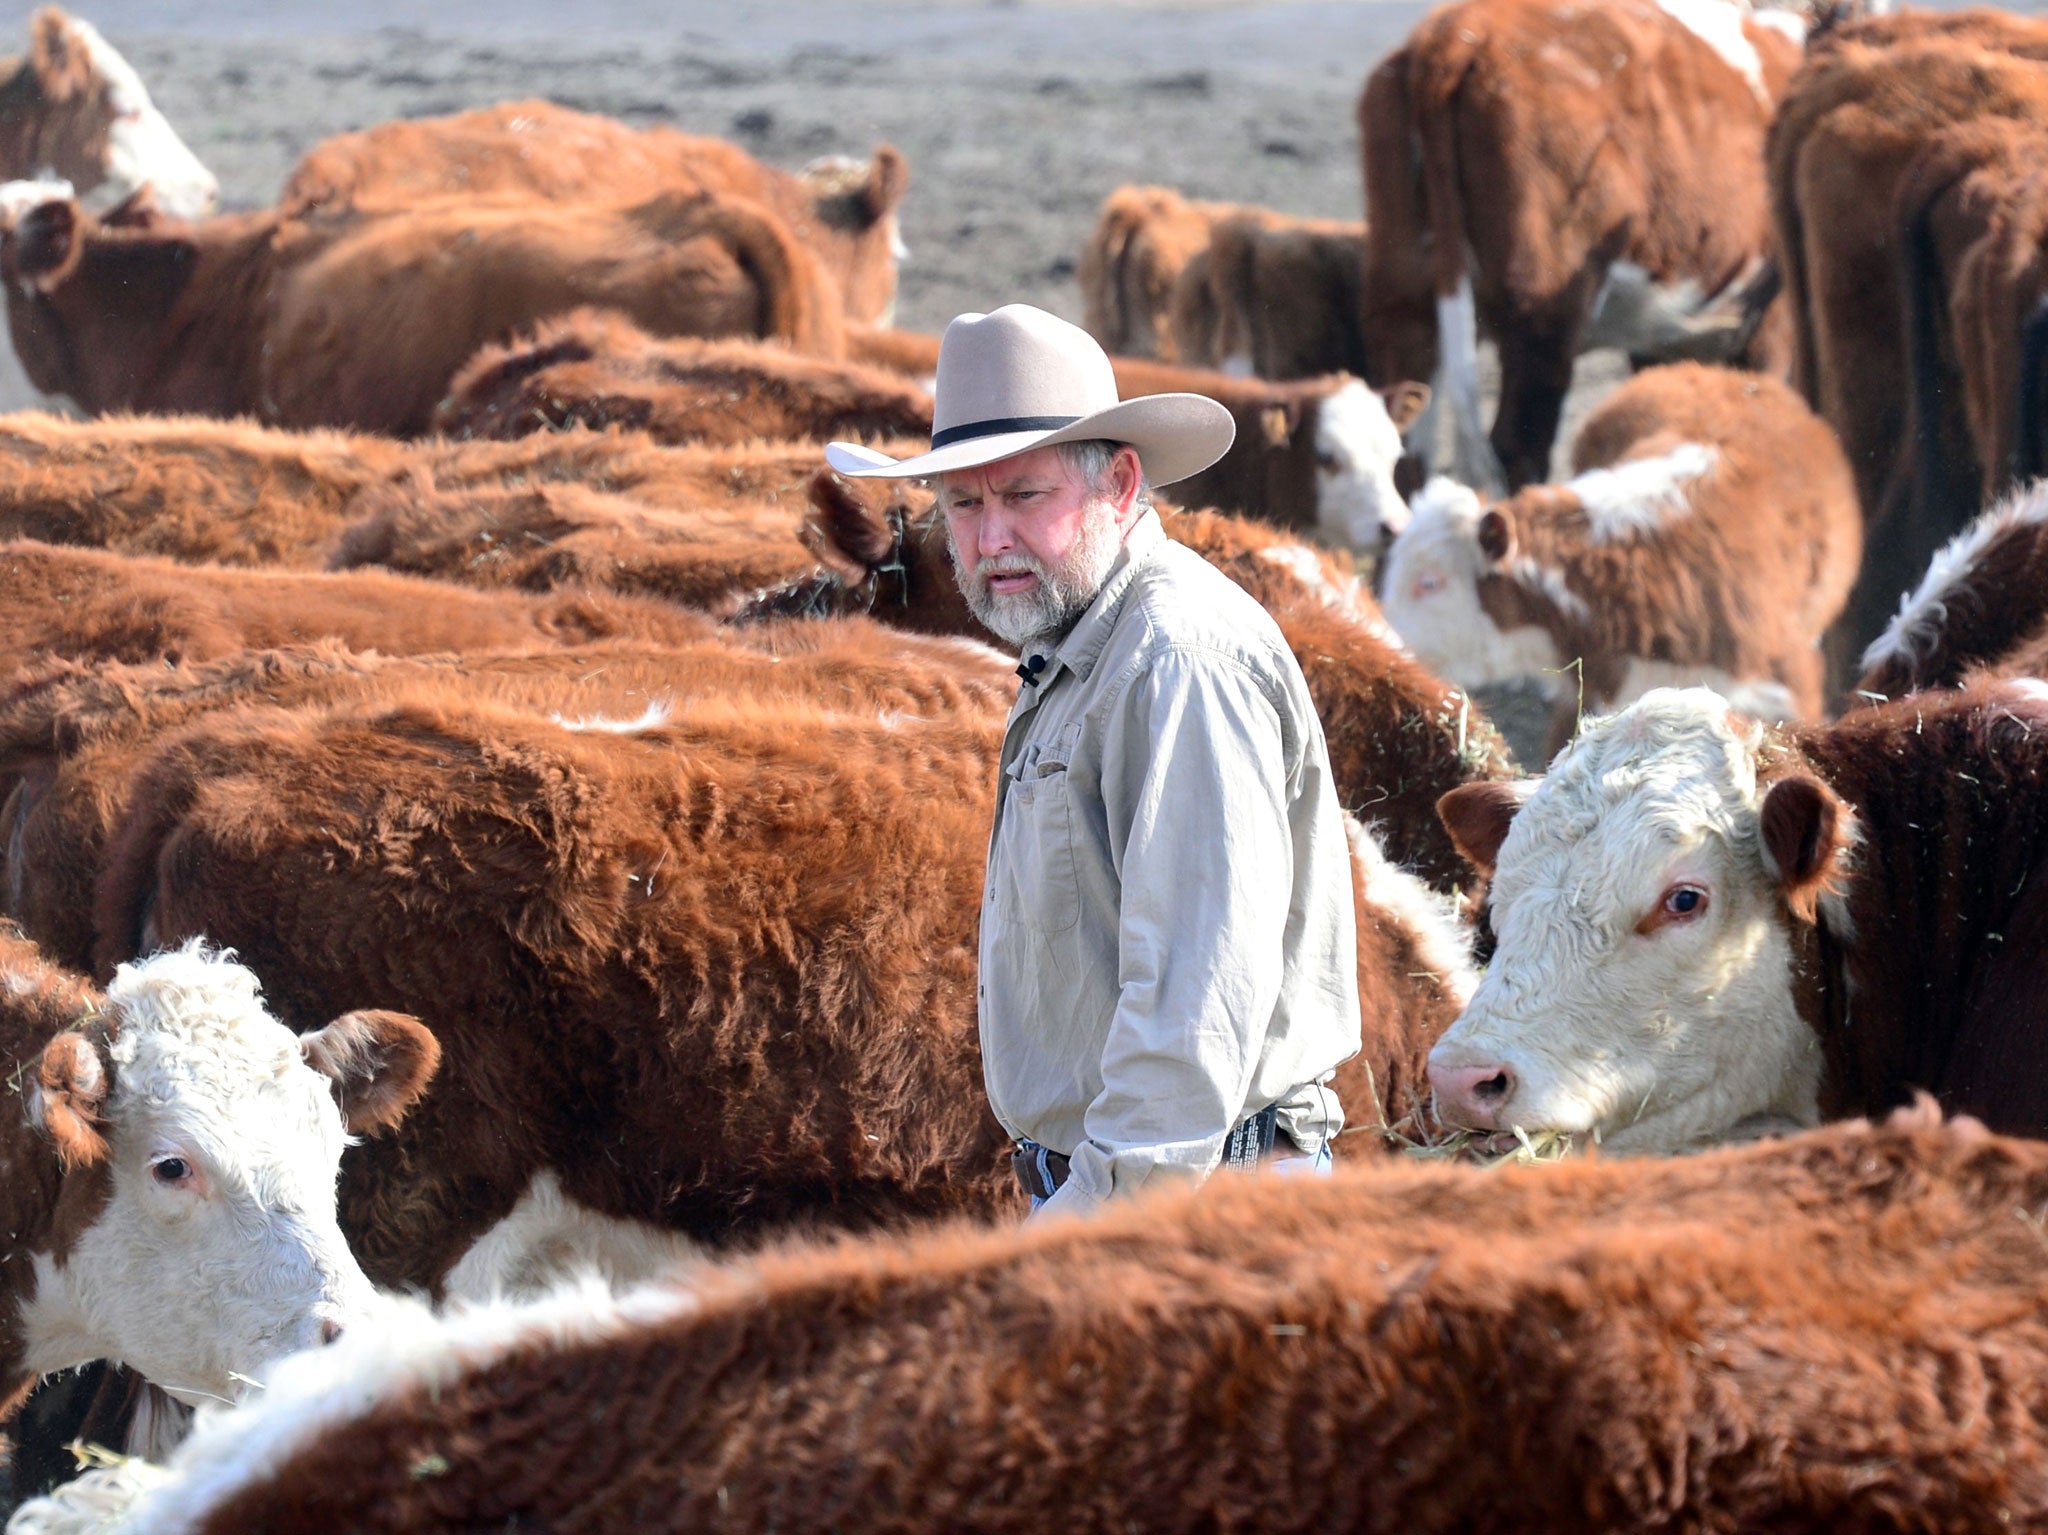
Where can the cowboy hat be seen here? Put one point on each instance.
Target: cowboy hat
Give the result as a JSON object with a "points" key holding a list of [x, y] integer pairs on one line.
{"points": [[1020, 379]]}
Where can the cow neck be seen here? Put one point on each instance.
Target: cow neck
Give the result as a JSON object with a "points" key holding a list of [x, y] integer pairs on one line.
{"points": [[1944, 788], [38, 1212]]}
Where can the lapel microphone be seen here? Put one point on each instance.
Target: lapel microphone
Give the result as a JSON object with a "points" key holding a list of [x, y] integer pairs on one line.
{"points": [[1029, 669]]}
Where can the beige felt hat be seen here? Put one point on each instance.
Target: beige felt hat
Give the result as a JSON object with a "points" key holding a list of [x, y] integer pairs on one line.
{"points": [[1020, 379]]}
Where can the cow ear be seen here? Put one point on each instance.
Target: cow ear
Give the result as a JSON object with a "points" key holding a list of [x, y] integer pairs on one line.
{"points": [[1410, 475], [48, 241], [1405, 402], [1496, 535], [847, 536], [1478, 815], [380, 1063], [1806, 831], [63, 68], [68, 1098], [888, 179]]}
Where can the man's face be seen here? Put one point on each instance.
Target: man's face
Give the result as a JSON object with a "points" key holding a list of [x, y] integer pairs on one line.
{"points": [[1031, 543]]}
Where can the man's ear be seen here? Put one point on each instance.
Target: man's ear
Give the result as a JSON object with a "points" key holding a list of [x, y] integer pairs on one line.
{"points": [[1478, 815], [68, 1096], [380, 1063], [1806, 833]]}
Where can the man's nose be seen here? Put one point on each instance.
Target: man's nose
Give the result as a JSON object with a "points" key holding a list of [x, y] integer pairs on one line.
{"points": [[997, 535]]}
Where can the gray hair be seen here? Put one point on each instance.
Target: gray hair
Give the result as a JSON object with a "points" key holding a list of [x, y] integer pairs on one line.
{"points": [[1090, 460]]}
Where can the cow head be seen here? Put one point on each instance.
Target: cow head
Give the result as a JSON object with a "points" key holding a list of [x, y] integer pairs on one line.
{"points": [[1451, 592], [855, 204], [92, 122], [1646, 898], [195, 1237], [1358, 447]]}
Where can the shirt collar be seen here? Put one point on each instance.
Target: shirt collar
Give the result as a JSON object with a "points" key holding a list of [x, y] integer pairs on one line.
{"points": [[1081, 646]]}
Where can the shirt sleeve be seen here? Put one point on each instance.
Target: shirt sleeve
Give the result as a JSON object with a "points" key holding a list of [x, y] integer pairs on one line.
{"points": [[1195, 787]]}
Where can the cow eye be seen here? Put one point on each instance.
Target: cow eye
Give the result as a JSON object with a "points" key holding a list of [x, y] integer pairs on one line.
{"points": [[1427, 586], [1683, 902], [171, 1170]]}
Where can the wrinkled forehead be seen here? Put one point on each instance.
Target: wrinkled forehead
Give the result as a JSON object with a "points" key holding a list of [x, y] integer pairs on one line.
{"points": [[1633, 792]]}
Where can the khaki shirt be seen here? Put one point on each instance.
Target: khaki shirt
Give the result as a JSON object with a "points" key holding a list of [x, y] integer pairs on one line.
{"points": [[1167, 933]]}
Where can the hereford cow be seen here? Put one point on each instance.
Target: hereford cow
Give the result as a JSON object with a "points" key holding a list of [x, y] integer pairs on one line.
{"points": [[1284, 290], [1710, 535], [1860, 113], [1515, 150], [171, 1169], [1985, 595], [1973, 244], [1708, 928], [1144, 238], [597, 369], [1398, 737], [92, 605], [73, 107], [1591, 1346], [844, 210], [1317, 454], [342, 321]]}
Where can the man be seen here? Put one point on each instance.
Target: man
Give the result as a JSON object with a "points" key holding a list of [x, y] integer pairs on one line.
{"points": [[1168, 960]]}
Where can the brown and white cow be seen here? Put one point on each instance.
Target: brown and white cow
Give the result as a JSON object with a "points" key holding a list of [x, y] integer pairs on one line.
{"points": [[171, 1157], [1144, 238], [597, 369], [1867, 104], [1282, 299], [1516, 151], [844, 210], [1322, 454], [343, 321], [1708, 928], [1587, 1346], [72, 107], [1983, 598], [1710, 535]]}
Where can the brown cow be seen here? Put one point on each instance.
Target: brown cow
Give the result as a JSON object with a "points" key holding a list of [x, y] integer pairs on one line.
{"points": [[92, 605], [1144, 238], [596, 368], [1316, 453], [1860, 112], [73, 107], [1708, 928], [843, 210], [1591, 1346], [1984, 597], [1973, 245], [342, 321], [1516, 151], [1399, 738], [1283, 291], [1710, 537]]}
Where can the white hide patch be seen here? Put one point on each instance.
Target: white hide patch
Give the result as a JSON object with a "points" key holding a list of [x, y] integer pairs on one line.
{"points": [[653, 717], [1718, 24], [549, 1239], [1432, 596], [1761, 698], [1632, 499], [142, 147], [1913, 634], [1443, 942], [205, 1077], [1346, 598], [1659, 1040], [1357, 447], [1789, 25], [311, 1395]]}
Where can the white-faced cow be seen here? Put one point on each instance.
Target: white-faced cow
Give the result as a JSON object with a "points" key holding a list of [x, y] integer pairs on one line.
{"points": [[1707, 928]]}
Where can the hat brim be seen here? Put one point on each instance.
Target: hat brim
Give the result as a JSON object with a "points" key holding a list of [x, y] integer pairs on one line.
{"points": [[1176, 435]]}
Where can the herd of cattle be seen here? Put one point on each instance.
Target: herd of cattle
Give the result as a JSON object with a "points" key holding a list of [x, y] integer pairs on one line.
{"points": [[489, 820]]}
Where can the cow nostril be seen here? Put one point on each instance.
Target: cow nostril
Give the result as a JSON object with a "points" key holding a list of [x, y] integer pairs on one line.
{"points": [[1495, 1087], [330, 1331]]}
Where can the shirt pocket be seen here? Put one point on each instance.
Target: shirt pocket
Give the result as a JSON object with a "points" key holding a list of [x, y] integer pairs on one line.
{"points": [[1036, 882]]}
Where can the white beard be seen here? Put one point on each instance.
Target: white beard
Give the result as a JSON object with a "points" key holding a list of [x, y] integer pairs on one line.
{"points": [[1063, 592]]}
